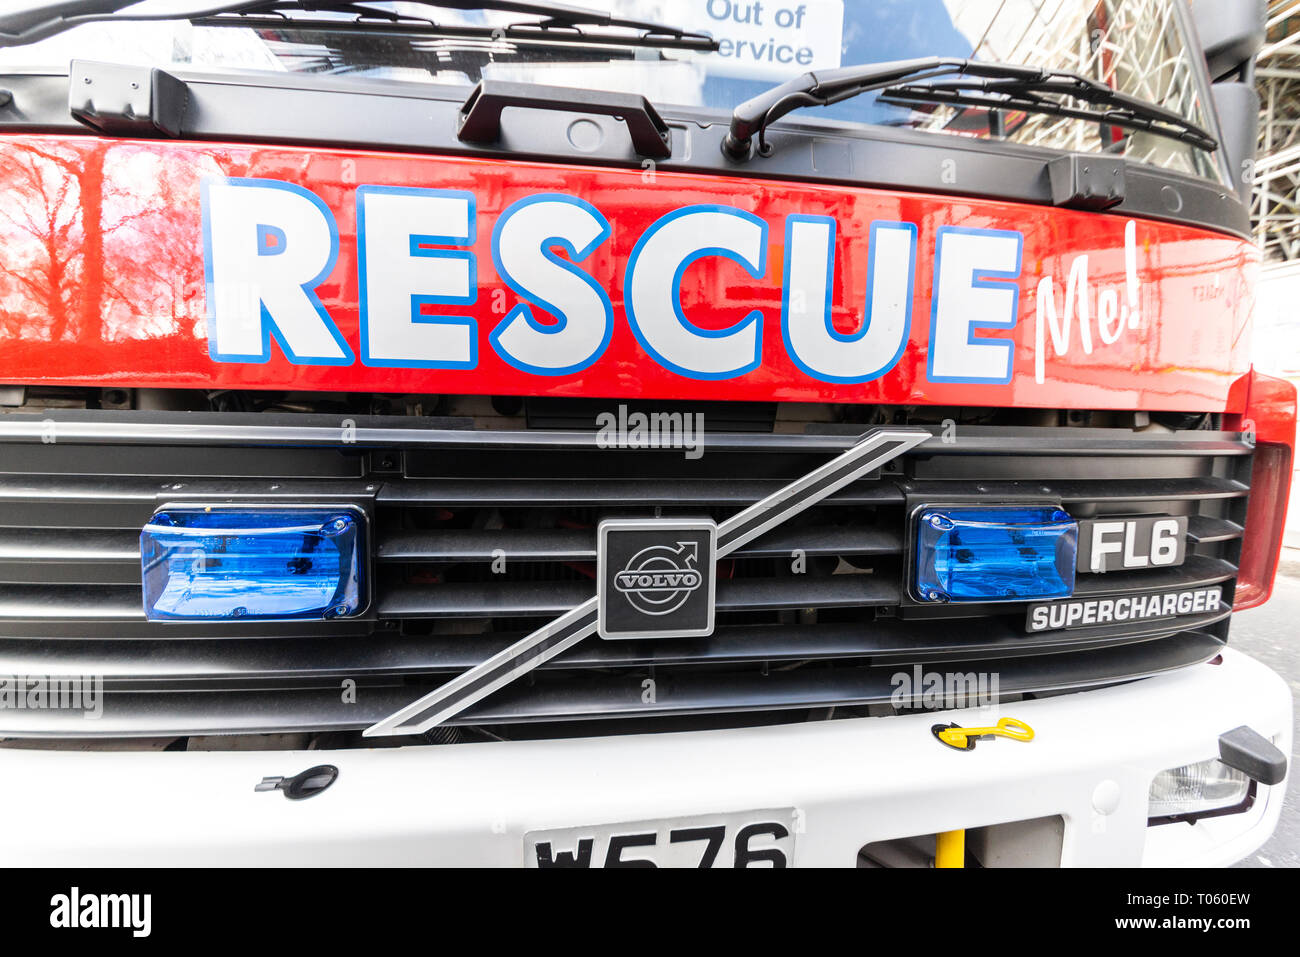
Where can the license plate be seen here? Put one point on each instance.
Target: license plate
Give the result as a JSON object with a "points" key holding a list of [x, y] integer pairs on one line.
{"points": [[1116, 544], [738, 839]]}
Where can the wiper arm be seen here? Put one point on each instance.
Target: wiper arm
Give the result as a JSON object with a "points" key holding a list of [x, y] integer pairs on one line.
{"points": [[27, 26], [46, 19], [1002, 86]]}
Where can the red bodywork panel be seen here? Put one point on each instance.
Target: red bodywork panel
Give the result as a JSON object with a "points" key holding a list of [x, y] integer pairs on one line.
{"points": [[102, 282]]}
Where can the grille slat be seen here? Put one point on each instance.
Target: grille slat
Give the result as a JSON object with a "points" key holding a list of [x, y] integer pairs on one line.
{"points": [[206, 660], [69, 545], [555, 545], [507, 493], [814, 614], [1104, 491], [528, 599], [557, 696], [1195, 572], [1203, 530], [45, 602], [92, 556]]}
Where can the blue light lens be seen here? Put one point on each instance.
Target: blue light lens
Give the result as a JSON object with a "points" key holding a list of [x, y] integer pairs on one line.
{"points": [[995, 553], [226, 564]]}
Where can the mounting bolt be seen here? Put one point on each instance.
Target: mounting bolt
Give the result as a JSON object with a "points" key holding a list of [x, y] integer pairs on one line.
{"points": [[337, 526]]}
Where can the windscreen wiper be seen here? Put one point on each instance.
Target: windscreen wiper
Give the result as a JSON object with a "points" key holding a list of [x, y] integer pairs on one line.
{"points": [[557, 20], [1050, 96], [995, 86]]}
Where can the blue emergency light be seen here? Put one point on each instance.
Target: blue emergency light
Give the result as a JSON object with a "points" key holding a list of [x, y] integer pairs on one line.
{"points": [[995, 553], [233, 564]]}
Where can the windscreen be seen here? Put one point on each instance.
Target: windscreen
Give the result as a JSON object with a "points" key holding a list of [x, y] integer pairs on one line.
{"points": [[1138, 47]]}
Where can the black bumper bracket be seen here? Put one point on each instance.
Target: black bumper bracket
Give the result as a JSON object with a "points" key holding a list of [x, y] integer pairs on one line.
{"points": [[1248, 751]]}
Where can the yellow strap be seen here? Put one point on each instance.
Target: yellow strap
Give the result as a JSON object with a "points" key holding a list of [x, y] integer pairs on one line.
{"points": [[1007, 728], [950, 849]]}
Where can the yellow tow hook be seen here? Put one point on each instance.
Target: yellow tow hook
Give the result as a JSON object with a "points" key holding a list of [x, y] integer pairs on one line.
{"points": [[950, 846], [950, 849], [963, 739]]}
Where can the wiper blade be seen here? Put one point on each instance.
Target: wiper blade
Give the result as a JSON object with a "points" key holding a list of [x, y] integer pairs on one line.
{"points": [[996, 85], [1050, 97], [551, 31], [27, 26]]}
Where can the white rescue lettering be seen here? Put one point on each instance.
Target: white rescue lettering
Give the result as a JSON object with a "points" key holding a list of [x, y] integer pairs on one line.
{"points": [[1114, 317], [266, 246], [269, 244]]}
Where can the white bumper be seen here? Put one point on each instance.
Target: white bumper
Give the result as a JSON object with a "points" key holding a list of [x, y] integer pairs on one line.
{"points": [[854, 781]]}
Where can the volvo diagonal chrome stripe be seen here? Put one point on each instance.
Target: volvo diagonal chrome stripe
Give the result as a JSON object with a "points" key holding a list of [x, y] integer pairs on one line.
{"points": [[873, 450]]}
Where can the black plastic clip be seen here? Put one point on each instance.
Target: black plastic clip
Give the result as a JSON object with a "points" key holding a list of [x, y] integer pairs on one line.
{"points": [[123, 100], [1086, 181], [302, 786]]}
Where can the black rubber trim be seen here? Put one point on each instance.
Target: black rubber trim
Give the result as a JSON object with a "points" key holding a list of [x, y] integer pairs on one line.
{"points": [[300, 109]]}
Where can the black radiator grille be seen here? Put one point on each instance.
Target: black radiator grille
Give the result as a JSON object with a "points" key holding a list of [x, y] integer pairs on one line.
{"points": [[812, 615]]}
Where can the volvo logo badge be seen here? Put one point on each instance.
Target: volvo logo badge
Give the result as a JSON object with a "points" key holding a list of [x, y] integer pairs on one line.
{"points": [[656, 578], [656, 591]]}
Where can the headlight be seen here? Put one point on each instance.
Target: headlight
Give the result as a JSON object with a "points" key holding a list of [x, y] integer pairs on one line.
{"points": [[1198, 789]]}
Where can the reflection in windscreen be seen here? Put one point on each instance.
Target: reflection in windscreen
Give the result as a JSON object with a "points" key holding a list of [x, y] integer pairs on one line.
{"points": [[1133, 45]]}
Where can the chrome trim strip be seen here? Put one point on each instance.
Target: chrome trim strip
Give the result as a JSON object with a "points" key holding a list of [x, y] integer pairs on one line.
{"points": [[26, 428], [871, 451]]}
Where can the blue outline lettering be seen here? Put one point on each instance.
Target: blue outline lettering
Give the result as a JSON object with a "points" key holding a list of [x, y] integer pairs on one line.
{"points": [[757, 271], [270, 329], [1007, 345], [523, 311], [830, 286], [418, 247]]}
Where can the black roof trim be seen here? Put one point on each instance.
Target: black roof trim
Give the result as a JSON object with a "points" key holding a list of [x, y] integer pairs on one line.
{"points": [[302, 110]]}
